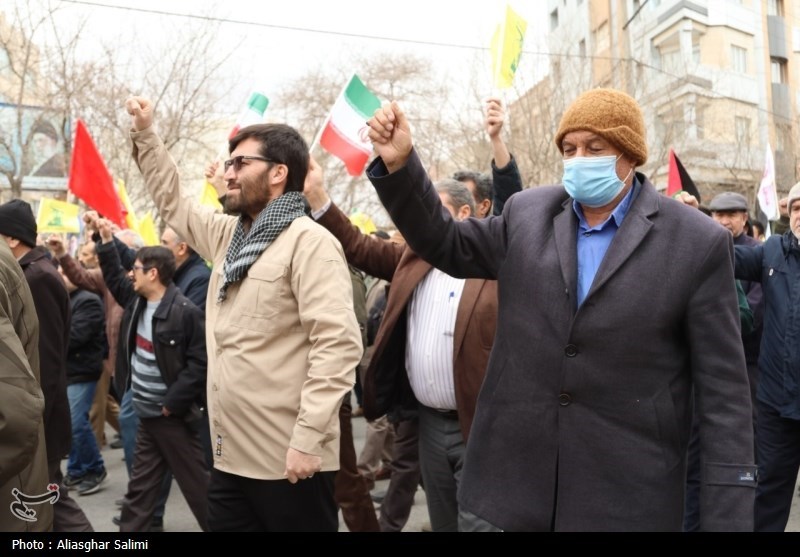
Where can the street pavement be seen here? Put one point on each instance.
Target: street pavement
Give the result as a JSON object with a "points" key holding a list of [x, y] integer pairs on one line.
{"points": [[100, 508]]}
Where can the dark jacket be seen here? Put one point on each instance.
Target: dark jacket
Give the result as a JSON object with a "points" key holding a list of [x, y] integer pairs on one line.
{"points": [[178, 338], [192, 278], [23, 455], [755, 299], [776, 265], [584, 417], [87, 338], [52, 307]]}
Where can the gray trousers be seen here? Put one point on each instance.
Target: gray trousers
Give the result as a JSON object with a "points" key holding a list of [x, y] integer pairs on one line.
{"points": [[441, 457]]}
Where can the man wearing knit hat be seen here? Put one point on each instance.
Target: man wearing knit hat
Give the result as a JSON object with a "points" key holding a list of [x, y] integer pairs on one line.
{"points": [[776, 265], [18, 229], [616, 304]]}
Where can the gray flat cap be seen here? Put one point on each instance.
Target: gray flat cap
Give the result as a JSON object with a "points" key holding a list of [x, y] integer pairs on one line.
{"points": [[728, 201]]}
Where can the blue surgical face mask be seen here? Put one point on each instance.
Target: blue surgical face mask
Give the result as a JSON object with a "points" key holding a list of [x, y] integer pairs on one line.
{"points": [[593, 181]]}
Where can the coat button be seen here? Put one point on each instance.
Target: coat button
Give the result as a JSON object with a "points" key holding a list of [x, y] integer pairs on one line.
{"points": [[571, 351], [564, 399], [172, 342]]}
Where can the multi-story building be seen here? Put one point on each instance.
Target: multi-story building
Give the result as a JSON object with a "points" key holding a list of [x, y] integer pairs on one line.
{"points": [[716, 79]]}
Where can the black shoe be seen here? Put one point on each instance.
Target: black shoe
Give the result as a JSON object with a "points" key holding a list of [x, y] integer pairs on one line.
{"points": [[378, 496], [117, 444], [70, 481], [156, 525], [91, 483]]}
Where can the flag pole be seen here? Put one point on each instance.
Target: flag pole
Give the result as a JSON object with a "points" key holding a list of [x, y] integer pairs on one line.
{"points": [[315, 143]]}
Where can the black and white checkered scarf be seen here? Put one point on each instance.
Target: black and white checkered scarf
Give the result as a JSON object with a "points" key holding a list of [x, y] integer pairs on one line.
{"points": [[245, 249]]}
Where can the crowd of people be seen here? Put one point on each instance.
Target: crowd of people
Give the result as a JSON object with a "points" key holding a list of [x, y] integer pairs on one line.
{"points": [[587, 356]]}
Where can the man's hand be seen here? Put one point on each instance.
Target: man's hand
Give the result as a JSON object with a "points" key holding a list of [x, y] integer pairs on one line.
{"points": [[495, 117], [214, 175], [390, 135], [55, 244], [687, 199], [90, 219], [300, 466], [104, 227], [165, 412], [314, 188], [141, 111]]}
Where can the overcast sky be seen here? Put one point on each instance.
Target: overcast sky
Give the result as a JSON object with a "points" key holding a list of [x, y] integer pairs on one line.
{"points": [[296, 35]]}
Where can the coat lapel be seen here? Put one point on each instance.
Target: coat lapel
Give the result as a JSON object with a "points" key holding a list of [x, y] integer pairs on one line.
{"points": [[634, 228], [410, 272], [469, 297], [565, 232]]}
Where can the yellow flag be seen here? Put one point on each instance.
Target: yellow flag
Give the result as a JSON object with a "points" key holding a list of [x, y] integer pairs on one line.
{"points": [[58, 216], [363, 222], [507, 48], [130, 216], [147, 230], [208, 197]]}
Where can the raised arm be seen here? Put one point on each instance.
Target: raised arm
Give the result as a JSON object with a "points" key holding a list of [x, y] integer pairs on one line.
{"points": [[91, 280], [206, 231], [470, 248], [506, 180], [370, 254], [116, 280]]}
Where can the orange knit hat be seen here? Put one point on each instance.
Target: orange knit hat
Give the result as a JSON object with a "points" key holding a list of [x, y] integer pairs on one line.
{"points": [[609, 113]]}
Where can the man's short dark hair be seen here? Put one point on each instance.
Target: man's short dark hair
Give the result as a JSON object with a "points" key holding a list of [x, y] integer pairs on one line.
{"points": [[483, 183], [160, 259], [458, 193], [280, 143]]}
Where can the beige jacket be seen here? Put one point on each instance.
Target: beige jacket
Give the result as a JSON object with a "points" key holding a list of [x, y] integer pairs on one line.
{"points": [[282, 347], [23, 454]]}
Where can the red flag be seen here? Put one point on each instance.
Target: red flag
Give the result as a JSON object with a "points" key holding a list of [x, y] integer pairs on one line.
{"points": [[678, 179], [90, 180]]}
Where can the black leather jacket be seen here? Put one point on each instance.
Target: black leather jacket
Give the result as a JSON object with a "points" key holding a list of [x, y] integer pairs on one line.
{"points": [[178, 338]]}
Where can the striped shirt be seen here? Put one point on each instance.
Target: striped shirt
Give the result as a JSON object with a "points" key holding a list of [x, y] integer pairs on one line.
{"points": [[429, 346], [146, 382]]}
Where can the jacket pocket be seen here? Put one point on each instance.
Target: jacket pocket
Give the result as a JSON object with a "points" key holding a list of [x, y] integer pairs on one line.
{"points": [[259, 299], [171, 346]]}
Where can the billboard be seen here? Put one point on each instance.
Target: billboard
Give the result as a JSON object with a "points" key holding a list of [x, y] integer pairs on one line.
{"points": [[44, 165]]}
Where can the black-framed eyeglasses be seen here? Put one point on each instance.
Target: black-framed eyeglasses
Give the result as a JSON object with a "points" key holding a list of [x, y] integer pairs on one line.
{"points": [[236, 162]]}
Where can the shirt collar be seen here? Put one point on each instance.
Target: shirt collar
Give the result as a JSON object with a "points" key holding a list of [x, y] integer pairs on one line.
{"points": [[617, 214]]}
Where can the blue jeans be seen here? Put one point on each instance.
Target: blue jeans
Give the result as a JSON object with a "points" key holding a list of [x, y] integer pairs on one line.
{"points": [[128, 426], [84, 457]]}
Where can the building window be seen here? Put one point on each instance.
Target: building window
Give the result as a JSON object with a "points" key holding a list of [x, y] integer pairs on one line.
{"points": [[582, 48], [778, 70], [742, 130], [775, 7], [739, 59], [554, 19]]}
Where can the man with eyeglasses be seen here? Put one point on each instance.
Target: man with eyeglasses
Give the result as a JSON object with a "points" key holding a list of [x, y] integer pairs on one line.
{"points": [[283, 338], [161, 359]]}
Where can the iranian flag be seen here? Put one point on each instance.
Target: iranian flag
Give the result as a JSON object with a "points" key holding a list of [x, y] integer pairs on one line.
{"points": [[253, 113], [345, 132]]}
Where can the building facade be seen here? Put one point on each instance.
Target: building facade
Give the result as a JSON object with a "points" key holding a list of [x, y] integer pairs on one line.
{"points": [[716, 79]]}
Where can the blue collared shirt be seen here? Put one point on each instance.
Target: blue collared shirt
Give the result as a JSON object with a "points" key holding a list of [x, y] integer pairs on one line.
{"points": [[593, 242]]}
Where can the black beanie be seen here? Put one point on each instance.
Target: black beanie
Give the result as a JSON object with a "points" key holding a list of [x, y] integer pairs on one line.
{"points": [[16, 221]]}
